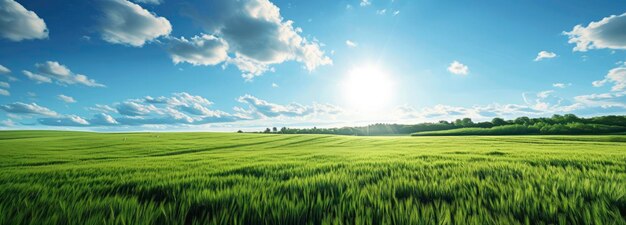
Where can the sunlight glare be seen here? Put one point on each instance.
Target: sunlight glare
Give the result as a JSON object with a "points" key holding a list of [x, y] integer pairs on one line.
{"points": [[367, 89]]}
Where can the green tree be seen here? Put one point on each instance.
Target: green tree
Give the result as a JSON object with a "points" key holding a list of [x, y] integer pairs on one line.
{"points": [[498, 121]]}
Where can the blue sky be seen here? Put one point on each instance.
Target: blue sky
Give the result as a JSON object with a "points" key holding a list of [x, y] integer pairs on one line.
{"points": [[226, 65]]}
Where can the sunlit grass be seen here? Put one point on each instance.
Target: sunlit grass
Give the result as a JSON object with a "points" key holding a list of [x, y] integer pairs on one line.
{"points": [[212, 178]]}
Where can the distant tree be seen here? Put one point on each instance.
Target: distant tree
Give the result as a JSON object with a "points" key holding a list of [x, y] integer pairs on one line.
{"points": [[498, 121], [522, 120], [571, 118], [267, 130], [283, 130], [274, 129], [239, 131], [465, 122]]}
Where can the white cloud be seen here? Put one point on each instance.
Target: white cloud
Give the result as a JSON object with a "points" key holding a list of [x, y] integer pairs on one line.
{"points": [[544, 103], [4, 92], [18, 23], [607, 33], [381, 11], [24, 108], [154, 2], [36, 77], [65, 120], [103, 119], [66, 99], [4, 70], [134, 108], [603, 100], [7, 123], [351, 44], [198, 50], [458, 68], [258, 108], [179, 109], [364, 3], [52, 70], [4, 85], [561, 85], [395, 13], [617, 76], [545, 55], [125, 22], [255, 36], [274, 85]]}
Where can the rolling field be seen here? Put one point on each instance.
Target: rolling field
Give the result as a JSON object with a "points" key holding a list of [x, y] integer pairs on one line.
{"points": [[49, 177]]}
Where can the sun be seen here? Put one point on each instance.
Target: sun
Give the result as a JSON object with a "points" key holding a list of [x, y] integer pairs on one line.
{"points": [[367, 89]]}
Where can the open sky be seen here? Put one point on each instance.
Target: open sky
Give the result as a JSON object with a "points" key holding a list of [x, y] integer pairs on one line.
{"points": [[111, 65]]}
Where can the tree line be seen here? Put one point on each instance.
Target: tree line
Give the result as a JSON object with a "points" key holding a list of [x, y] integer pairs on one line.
{"points": [[557, 124]]}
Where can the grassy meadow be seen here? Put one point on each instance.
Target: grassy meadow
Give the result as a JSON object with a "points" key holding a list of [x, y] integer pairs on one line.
{"points": [[50, 177]]}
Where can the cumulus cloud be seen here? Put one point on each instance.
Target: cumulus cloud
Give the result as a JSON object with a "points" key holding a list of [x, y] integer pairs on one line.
{"points": [[66, 99], [4, 85], [543, 103], [545, 55], [54, 71], [18, 23], [133, 108], [617, 76], [447, 112], [351, 44], [103, 119], [198, 50], [36, 77], [24, 108], [364, 3], [259, 108], [125, 22], [607, 33], [4, 92], [66, 120], [603, 100], [458, 68], [251, 32], [4, 70], [274, 85], [178, 109], [381, 11]]}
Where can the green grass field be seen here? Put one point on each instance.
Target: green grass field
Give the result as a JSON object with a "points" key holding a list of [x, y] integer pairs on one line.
{"points": [[51, 177]]}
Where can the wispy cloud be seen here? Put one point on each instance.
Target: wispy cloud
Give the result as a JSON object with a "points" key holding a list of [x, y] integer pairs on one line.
{"points": [[544, 55], [66, 99]]}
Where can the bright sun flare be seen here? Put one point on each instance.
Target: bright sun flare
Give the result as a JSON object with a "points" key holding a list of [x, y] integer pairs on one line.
{"points": [[367, 89]]}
